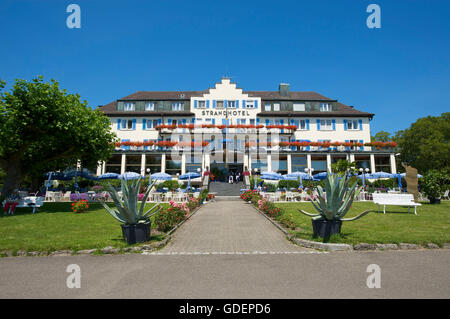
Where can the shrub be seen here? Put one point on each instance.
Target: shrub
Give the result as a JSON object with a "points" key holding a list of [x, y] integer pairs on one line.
{"points": [[80, 206], [435, 183], [288, 184], [248, 195], [268, 208], [170, 217], [171, 185]]}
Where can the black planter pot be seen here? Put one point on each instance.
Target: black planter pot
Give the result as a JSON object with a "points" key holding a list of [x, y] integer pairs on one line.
{"points": [[138, 233], [325, 228], [435, 200]]}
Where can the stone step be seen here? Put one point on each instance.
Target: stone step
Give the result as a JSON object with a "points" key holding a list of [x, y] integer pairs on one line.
{"points": [[228, 198]]}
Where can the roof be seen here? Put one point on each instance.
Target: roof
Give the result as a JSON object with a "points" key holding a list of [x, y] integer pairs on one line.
{"points": [[344, 110]]}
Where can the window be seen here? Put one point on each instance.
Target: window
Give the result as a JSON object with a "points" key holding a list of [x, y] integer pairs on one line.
{"points": [[325, 107], [243, 121], [302, 125], [129, 106], [267, 107], [299, 106], [326, 125], [231, 104], [127, 125], [354, 148], [150, 106], [151, 124], [250, 104], [276, 106], [252, 121], [201, 104], [352, 124], [219, 104], [177, 106]]}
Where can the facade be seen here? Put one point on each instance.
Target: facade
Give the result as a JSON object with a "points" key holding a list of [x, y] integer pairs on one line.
{"points": [[226, 128]]}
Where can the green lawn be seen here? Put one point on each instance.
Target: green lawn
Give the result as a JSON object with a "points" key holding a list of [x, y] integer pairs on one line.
{"points": [[56, 227], [432, 225]]}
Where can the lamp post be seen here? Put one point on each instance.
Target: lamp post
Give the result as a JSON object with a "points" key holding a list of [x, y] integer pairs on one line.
{"points": [[255, 176], [149, 177], [309, 171], [364, 171]]}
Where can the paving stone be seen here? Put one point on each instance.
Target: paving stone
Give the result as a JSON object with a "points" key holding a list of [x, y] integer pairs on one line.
{"points": [[33, 253], [87, 251], [446, 246], [387, 246], [364, 246], [408, 246], [21, 253], [61, 253], [110, 250], [228, 226], [432, 246]]}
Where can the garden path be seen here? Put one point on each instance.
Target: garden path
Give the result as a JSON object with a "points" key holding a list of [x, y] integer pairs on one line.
{"points": [[229, 227]]}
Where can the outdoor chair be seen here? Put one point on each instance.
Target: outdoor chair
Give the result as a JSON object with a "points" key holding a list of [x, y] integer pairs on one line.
{"points": [[67, 195], [446, 195]]}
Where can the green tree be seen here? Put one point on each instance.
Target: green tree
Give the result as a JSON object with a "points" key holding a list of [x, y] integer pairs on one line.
{"points": [[45, 128], [425, 145], [382, 136], [341, 167]]}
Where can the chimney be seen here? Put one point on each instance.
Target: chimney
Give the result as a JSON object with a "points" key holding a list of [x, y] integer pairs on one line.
{"points": [[284, 89]]}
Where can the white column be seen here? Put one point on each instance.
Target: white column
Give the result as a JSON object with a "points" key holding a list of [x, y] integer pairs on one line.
{"points": [[163, 162], [104, 167], [372, 163], [393, 164], [329, 162], [352, 158], [123, 163], [269, 162], [308, 162], [99, 168], [249, 162], [183, 164], [289, 164], [143, 164]]}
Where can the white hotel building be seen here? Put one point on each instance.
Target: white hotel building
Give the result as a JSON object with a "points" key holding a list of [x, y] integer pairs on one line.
{"points": [[148, 116]]}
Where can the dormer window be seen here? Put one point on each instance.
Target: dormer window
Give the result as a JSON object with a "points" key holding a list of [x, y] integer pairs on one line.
{"points": [[325, 107], [202, 104], [177, 106], [129, 106]]}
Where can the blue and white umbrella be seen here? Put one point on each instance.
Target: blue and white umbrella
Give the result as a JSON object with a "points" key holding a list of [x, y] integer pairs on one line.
{"points": [[382, 175], [273, 176], [161, 176], [320, 176], [108, 176], [188, 176], [404, 174], [129, 175]]}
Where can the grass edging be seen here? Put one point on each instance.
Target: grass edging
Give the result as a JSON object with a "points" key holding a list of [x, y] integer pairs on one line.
{"points": [[109, 250], [346, 247]]}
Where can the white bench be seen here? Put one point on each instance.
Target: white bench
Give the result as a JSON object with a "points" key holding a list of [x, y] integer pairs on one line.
{"points": [[30, 201], [395, 200]]}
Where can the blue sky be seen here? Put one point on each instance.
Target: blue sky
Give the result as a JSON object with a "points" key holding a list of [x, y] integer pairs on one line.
{"points": [[399, 72]]}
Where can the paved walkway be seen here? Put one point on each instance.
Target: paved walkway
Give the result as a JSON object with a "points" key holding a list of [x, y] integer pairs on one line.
{"points": [[229, 227], [226, 189]]}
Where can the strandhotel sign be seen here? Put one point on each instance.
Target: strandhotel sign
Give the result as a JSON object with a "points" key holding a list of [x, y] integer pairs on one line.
{"points": [[226, 113]]}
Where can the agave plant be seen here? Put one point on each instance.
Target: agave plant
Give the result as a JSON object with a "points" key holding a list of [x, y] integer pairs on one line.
{"points": [[126, 210], [337, 201]]}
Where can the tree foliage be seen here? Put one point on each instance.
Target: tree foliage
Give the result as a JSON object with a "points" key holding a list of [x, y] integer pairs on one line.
{"points": [[425, 145], [342, 167], [382, 136], [45, 128]]}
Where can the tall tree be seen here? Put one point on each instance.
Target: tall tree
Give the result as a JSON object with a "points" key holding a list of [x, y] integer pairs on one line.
{"points": [[382, 136], [425, 145], [45, 128]]}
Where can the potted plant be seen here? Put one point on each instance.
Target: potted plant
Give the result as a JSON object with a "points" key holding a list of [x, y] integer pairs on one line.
{"points": [[332, 206], [135, 223], [434, 184]]}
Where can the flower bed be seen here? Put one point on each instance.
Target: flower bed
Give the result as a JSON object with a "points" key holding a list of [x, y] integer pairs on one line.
{"points": [[80, 206]]}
